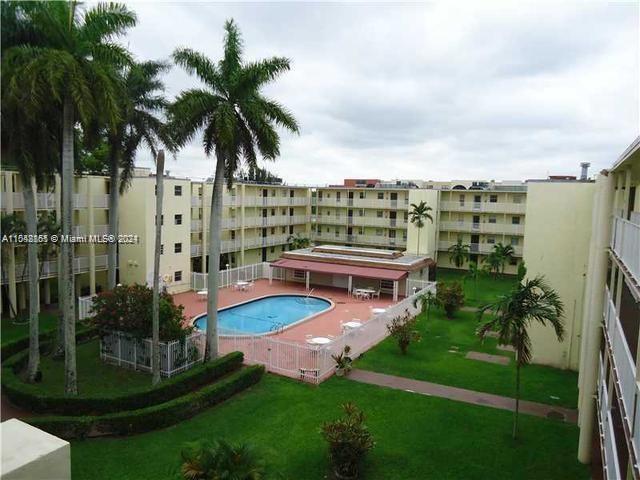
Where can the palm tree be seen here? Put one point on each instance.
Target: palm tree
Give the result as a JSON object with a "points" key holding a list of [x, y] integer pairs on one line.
{"points": [[459, 253], [425, 301], [11, 224], [221, 459], [238, 122], [155, 322], [298, 241], [473, 273], [493, 262], [512, 314], [139, 123], [417, 215], [73, 66], [505, 252]]}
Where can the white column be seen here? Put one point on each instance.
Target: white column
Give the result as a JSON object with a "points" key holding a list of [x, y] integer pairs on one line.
{"points": [[47, 291], [395, 290], [205, 229], [270, 274], [91, 231], [350, 284], [308, 275], [592, 317]]}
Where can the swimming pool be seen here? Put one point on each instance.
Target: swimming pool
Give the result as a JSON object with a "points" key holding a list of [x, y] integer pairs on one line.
{"points": [[266, 314]]}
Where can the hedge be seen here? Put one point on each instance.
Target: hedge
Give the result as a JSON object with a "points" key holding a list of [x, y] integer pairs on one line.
{"points": [[29, 397], [150, 418], [11, 348]]}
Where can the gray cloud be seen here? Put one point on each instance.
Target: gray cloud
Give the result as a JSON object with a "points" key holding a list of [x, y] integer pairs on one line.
{"points": [[437, 91]]}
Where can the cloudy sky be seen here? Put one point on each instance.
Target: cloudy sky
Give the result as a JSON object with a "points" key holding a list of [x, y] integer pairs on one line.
{"points": [[434, 91]]}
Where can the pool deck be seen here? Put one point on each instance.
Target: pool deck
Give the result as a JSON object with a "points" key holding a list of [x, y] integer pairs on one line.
{"points": [[346, 308]]}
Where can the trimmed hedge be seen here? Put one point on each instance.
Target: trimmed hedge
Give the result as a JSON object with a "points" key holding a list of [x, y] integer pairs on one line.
{"points": [[150, 418], [29, 397], [11, 348]]}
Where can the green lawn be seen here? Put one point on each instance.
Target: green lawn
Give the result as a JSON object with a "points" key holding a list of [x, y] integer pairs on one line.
{"points": [[488, 287], [416, 437], [431, 360], [94, 376], [14, 329]]}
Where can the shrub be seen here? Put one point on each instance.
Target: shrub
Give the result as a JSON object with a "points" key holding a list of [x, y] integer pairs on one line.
{"points": [[11, 348], [29, 397], [403, 329], [127, 308], [205, 460], [349, 440], [153, 417], [450, 297], [343, 361]]}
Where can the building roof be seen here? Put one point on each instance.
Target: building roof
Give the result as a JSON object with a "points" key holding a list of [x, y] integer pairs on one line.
{"points": [[334, 268]]}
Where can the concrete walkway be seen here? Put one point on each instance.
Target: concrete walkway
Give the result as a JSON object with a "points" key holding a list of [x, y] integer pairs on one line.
{"points": [[464, 395]]}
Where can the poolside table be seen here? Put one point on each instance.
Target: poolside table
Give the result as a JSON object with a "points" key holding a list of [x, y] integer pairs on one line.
{"points": [[202, 294], [319, 341], [351, 325], [241, 285], [378, 311]]}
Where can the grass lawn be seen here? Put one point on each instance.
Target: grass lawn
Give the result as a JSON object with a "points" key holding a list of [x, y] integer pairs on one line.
{"points": [[431, 360], [416, 437], [488, 288], [13, 331], [94, 376]]}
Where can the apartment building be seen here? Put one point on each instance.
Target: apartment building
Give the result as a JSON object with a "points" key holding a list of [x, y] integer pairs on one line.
{"points": [[257, 221], [90, 216], [609, 392]]}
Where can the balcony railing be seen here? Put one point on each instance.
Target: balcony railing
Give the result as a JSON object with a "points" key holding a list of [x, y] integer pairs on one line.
{"points": [[625, 243], [49, 268], [484, 207], [361, 239], [84, 230], [196, 225], [482, 248], [400, 204], [47, 200], [505, 228], [607, 437]]}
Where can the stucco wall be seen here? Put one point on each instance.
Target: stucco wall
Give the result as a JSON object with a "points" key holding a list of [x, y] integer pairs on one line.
{"points": [[428, 234]]}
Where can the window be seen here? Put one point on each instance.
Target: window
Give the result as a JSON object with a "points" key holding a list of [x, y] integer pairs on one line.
{"points": [[513, 261], [491, 240], [177, 276], [200, 236], [233, 234], [386, 284], [155, 189], [361, 212], [362, 195], [379, 214], [161, 249], [177, 248], [161, 220], [284, 211], [492, 219], [177, 219], [515, 220], [379, 232], [517, 199], [273, 249], [360, 231], [299, 275], [515, 241], [380, 196], [177, 191], [283, 230], [273, 212], [493, 198], [461, 200], [290, 229], [273, 231]]}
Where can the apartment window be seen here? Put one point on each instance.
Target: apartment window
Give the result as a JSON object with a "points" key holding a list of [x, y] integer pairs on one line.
{"points": [[406, 216], [177, 248], [320, 195], [273, 231], [513, 261], [328, 230], [233, 234], [177, 276], [199, 191], [379, 214], [379, 232], [491, 240], [360, 231], [380, 196], [515, 241], [161, 249], [177, 191], [362, 195], [493, 198], [273, 193], [515, 220], [517, 199], [492, 219], [284, 211], [155, 189], [283, 230], [386, 284], [290, 229], [177, 219], [461, 199], [273, 212], [200, 236], [273, 249], [361, 212]]}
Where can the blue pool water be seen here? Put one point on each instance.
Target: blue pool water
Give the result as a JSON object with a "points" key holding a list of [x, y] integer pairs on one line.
{"points": [[265, 315]]}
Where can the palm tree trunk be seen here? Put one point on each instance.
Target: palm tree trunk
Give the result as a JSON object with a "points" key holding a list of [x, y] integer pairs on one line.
{"points": [[114, 200], [155, 341], [418, 247], [32, 259], [515, 414], [214, 259], [66, 251]]}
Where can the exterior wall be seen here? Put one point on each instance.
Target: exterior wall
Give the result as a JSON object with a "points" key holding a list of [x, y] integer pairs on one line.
{"points": [[558, 231], [428, 233]]}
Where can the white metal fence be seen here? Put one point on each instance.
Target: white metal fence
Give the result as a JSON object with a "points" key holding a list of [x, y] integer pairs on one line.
{"points": [[607, 436], [230, 276], [84, 306], [312, 363], [625, 242], [175, 356]]}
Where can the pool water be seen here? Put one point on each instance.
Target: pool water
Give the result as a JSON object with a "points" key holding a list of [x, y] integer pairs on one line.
{"points": [[265, 315]]}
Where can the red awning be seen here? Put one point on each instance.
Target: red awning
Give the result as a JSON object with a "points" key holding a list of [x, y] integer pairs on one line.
{"points": [[321, 267]]}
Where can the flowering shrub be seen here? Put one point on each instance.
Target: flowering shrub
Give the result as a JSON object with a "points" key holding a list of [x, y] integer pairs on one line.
{"points": [[128, 308]]}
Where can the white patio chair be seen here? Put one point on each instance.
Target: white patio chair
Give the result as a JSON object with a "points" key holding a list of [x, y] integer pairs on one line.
{"points": [[377, 294]]}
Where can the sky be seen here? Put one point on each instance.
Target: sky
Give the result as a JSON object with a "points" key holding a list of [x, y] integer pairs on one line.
{"points": [[431, 91]]}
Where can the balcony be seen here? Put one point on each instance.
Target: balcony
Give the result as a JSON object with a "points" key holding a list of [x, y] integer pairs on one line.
{"points": [[607, 437], [401, 204], [484, 207], [276, 201], [499, 228], [196, 249], [78, 230], [49, 268], [625, 243], [362, 239], [196, 225], [47, 201], [274, 221], [482, 248]]}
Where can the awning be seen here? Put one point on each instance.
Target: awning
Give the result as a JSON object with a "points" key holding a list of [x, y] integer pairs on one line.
{"points": [[333, 268]]}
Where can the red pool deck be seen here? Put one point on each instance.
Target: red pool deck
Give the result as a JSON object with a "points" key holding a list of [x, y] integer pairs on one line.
{"points": [[345, 308]]}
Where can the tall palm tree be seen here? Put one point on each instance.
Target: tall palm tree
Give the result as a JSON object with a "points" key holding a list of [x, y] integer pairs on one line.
{"points": [[11, 224], [504, 252], [238, 122], [512, 314], [473, 273], [155, 308], [73, 65], [139, 123], [459, 253], [417, 215]]}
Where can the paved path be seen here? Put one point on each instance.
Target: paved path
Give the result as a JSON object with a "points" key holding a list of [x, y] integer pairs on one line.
{"points": [[464, 395]]}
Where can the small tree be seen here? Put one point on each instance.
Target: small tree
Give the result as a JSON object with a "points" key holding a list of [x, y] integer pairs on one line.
{"points": [[504, 252], [403, 329], [459, 253], [474, 273], [349, 440], [343, 361], [450, 296], [297, 241], [216, 460], [425, 301], [493, 263]]}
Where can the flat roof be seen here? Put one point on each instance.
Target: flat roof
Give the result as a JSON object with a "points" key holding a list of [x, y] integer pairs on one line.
{"points": [[334, 268]]}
